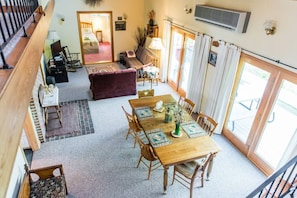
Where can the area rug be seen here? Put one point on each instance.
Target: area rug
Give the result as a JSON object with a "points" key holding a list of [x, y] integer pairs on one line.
{"points": [[76, 121], [103, 55], [103, 67]]}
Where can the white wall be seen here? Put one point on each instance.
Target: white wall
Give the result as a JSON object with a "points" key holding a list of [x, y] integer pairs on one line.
{"points": [[17, 174], [280, 46]]}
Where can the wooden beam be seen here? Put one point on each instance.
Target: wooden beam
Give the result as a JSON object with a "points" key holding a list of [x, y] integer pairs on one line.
{"points": [[16, 93], [31, 132]]}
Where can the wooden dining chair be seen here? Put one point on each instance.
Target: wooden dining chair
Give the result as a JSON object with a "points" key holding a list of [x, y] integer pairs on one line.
{"points": [[146, 93], [187, 173], [147, 155], [187, 104], [207, 123], [134, 127]]}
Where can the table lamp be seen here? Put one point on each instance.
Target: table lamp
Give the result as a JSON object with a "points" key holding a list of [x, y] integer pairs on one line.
{"points": [[52, 35], [156, 44]]}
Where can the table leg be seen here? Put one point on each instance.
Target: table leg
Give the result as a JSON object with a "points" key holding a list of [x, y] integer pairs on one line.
{"points": [[165, 179], [209, 168]]}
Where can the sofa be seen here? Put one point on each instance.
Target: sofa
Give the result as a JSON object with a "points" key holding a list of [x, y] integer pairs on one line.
{"points": [[111, 84], [44, 182], [140, 58]]}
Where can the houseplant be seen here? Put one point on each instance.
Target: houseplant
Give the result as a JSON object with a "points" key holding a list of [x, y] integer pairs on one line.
{"points": [[178, 115], [140, 36]]}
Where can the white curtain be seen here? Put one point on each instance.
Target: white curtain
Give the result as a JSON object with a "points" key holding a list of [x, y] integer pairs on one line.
{"points": [[198, 70], [226, 66], [165, 51]]}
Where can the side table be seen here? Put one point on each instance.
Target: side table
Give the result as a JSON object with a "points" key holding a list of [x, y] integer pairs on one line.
{"points": [[58, 70], [122, 57], [151, 73]]}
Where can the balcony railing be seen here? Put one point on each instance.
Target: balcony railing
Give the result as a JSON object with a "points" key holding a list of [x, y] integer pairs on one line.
{"points": [[13, 16], [282, 183]]}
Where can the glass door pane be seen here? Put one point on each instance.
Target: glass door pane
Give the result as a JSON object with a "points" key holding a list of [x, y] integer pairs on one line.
{"points": [[281, 126], [188, 54], [175, 58], [248, 96]]}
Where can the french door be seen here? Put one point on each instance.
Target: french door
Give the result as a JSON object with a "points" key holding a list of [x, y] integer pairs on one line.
{"points": [[181, 53], [262, 116]]}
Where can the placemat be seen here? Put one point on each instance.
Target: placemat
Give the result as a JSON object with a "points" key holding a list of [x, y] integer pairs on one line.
{"points": [[157, 138], [143, 112], [193, 129]]}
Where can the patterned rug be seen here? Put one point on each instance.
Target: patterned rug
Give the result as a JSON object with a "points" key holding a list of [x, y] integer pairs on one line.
{"points": [[103, 67], [76, 121]]}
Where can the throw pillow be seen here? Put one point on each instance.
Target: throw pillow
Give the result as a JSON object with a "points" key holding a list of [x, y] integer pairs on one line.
{"points": [[130, 54]]}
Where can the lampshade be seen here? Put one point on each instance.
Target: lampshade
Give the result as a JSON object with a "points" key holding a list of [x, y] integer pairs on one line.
{"points": [[156, 44], [52, 35]]}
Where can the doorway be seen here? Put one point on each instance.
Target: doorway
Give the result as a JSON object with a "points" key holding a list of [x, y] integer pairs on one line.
{"points": [[181, 53], [262, 115], [96, 38]]}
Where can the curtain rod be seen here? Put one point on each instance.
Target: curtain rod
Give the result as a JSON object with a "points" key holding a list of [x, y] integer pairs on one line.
{"points": [[181, 26], [273, 60], [188, 29], [267, 58]]}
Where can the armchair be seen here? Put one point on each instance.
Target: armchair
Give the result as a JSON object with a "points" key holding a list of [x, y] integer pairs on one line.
{"points": [[43, 182]]}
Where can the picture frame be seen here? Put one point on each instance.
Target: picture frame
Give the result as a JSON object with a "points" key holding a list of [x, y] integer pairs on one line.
{"points": [[212, 58], [120, 25]]}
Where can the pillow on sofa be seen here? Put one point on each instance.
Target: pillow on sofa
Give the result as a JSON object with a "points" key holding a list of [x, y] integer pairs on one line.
{"points": [[130, 54]]}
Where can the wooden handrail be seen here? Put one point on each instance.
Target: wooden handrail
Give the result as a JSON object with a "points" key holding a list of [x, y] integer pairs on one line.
{"points": [[17, 90]]}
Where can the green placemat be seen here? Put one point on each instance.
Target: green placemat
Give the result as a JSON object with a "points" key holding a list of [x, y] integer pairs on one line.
{"points": [[143, 112], [193, 129], [157, 138]]}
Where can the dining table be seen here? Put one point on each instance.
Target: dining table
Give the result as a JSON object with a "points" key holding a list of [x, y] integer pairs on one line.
{"points": [[172, 150]]}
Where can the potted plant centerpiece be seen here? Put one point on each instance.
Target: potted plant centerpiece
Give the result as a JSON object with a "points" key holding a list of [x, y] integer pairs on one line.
{"points": [[178, 116]]}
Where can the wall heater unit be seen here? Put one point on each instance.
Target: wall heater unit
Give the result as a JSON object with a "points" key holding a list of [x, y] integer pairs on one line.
{"points": [[233, 20]]}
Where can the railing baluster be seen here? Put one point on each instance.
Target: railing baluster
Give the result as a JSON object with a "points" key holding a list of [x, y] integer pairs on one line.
{"points": [[14, 14], [290, 168], [22, 11], [5, 20], [2, 31]]}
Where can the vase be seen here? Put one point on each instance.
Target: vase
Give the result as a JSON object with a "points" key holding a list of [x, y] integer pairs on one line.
{"points": [[168, 116], [177, 129], [151, 22]]}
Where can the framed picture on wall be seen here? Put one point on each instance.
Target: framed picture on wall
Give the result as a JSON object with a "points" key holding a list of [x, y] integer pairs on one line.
{"points": [[212, 58], [120, 25]]}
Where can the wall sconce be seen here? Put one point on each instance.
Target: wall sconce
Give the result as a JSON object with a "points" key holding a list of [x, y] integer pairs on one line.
{"points": [[269, 27], [188, 10], [125, 16], [61, 17]]}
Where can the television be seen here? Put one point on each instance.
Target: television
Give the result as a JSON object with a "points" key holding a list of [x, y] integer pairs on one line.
{"points": [[56, 48]]}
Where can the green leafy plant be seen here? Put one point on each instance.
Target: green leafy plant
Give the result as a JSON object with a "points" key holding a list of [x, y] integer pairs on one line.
{"points": [[140, 36]]}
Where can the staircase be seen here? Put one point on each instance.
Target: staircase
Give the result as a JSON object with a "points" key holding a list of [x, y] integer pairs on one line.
{"points": [[282, 183]]}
